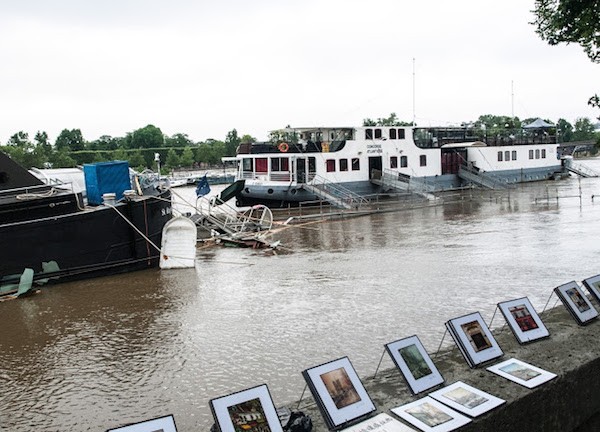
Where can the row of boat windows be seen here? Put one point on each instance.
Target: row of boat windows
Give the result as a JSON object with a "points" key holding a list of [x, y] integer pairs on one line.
{"points": [[508, 155], [343, 163], [282, 164], [377, 133]]}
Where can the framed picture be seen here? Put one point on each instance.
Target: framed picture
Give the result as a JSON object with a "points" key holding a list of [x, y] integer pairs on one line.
{"points": [[474, 339], [466, 399], [416, 366], [246, 411], [430, 415], [593, 286], [522, 373], [576, 302], [523, 320], [160, 424], [381, 423], [339, 393]]}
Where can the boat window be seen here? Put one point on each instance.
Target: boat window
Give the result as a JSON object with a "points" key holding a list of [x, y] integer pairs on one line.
{"points": [[401, 134], [369, 134], [423, 160], [355, 164], [499, 156], [343, 164], [392, 133], [312, 165], [393, 161], [403, 161], [530, 154], [543, 153], [377, 133], [537, 153], [280, 164], [330, 163], [247, 164], [260, 165], [507, 155], [275, 164], [514, 155]]}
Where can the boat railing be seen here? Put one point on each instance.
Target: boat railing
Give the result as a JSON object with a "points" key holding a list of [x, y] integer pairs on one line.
{"points": [[469, 172], [34, 190], [412, 184], [336, 193]]}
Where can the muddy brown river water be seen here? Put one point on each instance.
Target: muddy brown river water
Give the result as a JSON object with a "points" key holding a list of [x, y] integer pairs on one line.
{"points": [[97, 354]]}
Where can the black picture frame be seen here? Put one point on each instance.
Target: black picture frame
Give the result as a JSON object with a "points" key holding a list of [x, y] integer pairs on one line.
{"points": [[523, 320], [576, 302], [339, 393], [474, 339]]}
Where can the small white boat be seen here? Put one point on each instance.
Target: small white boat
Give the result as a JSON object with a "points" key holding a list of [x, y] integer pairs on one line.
{"points": [[178, 248]]}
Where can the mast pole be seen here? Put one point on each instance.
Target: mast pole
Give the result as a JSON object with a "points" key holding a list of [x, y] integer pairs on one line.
{"points": [[414, 112]]}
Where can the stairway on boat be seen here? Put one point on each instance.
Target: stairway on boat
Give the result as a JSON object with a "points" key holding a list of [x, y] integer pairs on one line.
{"points": [[579, 168], [393, 180], [335, 194], [480, 178]]}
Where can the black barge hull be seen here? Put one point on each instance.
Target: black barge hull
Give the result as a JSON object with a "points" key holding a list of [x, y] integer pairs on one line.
{"points": [[85, 244]]}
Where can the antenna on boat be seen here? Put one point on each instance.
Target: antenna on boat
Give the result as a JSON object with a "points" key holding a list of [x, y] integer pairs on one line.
{"points": [[512, 100], [414, 112]]}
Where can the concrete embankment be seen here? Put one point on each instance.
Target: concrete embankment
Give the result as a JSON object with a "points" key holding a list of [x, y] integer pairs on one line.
{"points": [[569, 402]]}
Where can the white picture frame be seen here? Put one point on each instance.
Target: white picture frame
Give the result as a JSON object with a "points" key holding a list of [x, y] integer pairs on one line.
{"points": [[474, 339], [416, 366], [339, 392], [253, 405], [429, 415], [522, 373], [593, 286], [159, 424], [523, 320], [576, 302], [467, 399], [381, 423]]}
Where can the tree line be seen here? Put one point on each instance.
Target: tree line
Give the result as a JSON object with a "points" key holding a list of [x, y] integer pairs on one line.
{"points": [[138, 148], [178, 151]]}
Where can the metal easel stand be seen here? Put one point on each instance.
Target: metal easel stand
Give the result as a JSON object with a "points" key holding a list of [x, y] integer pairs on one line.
{"points": [[550, 298]]}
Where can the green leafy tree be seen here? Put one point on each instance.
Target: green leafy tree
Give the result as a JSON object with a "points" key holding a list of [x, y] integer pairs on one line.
{"points": [[105, 142], [187, 158], [232, 141], [178, 140], [584, 130], [20, 139], [172, 161], [571, 21], [61, 159], [24, 152], [392, 120], [42, 141], [136, 159], [565, 130], [146, 137], [70, 140]]}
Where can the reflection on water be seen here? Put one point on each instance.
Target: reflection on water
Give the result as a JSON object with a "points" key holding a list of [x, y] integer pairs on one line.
{"points": [[91, 355]]}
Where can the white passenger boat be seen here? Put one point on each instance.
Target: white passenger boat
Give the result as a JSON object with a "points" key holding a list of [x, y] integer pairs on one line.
{"points": [[343, 165]]}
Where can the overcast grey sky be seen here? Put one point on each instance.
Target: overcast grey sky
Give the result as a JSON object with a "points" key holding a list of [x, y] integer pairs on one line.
{"points": [[202, 68]]}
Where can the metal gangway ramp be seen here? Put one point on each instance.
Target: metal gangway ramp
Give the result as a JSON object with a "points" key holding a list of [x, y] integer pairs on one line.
{"points": [[400, 182], [483, 179], [579, 168], [335, 194], [232, 222]]}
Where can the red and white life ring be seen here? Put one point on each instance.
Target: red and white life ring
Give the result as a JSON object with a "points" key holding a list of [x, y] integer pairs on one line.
{"points": [[283, 147]]}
